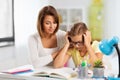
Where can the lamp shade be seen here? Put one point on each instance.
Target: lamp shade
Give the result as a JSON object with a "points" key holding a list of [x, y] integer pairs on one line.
{"points": [[107, 46]]}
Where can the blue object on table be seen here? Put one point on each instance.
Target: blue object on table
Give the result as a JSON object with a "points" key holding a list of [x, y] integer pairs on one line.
{"points": [[112, 78], [107, 47]]}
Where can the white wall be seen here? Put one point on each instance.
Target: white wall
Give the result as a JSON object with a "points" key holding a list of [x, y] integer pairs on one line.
{"points": [[111, 13], [68, 4], [112, 18], [26, 12]]}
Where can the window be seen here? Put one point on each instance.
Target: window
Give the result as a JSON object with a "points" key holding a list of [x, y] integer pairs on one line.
{"points": [[68, 17], [6, 22]]}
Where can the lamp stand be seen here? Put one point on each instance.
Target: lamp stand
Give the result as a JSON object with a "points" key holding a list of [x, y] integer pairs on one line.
{"points": [[118, 52]]}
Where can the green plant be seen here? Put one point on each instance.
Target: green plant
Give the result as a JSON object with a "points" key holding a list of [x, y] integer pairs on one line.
{"points": [[98, 64]]}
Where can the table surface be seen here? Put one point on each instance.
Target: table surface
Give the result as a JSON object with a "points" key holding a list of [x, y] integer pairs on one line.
{"points": [[29, 75], [19, 77]]}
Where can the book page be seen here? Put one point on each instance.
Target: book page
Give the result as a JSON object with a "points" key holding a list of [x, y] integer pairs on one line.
{"points": [[66, 72], [41, 74], [56, 73]]}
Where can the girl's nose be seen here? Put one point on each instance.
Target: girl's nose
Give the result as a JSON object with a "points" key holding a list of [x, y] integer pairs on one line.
{"points": [[76, 46]]}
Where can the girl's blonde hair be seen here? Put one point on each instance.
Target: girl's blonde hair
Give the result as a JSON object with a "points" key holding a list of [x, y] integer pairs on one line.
{"points": [[78, 29]]}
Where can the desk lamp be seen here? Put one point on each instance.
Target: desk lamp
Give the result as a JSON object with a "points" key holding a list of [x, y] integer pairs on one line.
{"points": [[107, 47]]}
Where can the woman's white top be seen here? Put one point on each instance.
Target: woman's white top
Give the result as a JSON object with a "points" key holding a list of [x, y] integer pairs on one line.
{"points": [[41, 56]]}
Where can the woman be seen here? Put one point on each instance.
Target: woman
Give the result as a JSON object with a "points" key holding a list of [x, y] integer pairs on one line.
{"points": [[80, 48], [47, 42]]}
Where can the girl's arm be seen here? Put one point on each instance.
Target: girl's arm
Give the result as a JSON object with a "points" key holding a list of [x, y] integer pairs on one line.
{"points": [[62, 57], [93, 56]]}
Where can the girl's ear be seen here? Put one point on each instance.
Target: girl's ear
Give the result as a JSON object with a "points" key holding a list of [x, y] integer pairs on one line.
{"points": [[83, 38], [69, 39], [69, 36]]}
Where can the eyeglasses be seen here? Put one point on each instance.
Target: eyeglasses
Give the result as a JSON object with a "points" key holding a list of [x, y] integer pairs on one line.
{"points": [[78, 43]]}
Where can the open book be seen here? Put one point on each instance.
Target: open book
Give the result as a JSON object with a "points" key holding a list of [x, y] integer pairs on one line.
{"points": [[47, 71], [62, 73]]}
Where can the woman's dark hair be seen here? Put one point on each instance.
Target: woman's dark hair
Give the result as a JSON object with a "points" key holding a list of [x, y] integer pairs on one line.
{"points": [[47, 10]]}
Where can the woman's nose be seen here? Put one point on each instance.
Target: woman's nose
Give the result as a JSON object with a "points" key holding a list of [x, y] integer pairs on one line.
{"points": [[52, 25]]}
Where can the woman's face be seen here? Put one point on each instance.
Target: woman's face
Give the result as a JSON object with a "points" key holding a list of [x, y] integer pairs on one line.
{"points": [[77, 41], [49, 24]]}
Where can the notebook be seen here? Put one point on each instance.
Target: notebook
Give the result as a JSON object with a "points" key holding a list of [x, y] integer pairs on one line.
{"points": [[20, 70]]}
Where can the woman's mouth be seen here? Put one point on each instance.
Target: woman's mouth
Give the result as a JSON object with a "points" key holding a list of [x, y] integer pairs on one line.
{"points": [[51, 30]]}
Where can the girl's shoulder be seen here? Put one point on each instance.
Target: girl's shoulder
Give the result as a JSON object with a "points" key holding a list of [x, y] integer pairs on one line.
{"points": [[95, 46]]}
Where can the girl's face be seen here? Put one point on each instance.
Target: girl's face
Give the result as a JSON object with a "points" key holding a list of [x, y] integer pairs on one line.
{"points": [[77, 41], [49, 24]]}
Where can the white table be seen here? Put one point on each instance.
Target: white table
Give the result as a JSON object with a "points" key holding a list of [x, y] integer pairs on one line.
{"points": [[17, 77], [29, 75]]}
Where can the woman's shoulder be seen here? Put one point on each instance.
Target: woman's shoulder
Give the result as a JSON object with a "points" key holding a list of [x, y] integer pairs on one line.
{"points": [[34, 36], [61, 32]]}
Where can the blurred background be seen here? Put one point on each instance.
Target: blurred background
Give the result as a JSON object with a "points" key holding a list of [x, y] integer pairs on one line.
{"points": [[19, 18]]}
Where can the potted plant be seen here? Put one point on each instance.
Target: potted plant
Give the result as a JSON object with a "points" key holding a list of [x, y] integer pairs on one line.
{"points": [[98, 69]]}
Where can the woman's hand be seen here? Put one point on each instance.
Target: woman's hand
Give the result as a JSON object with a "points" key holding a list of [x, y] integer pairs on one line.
{"points": [[87, 38]]}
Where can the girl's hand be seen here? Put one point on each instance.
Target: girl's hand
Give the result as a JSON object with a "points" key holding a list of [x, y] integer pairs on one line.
{"points": [[66, 38], [87, 38]]}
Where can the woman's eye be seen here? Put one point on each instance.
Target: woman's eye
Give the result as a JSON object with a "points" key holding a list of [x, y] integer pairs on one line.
{"points": [[47, 23], [55, 23]]}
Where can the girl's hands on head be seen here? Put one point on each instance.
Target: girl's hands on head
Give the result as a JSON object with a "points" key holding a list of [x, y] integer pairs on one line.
{"points": [[87, 38]]}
